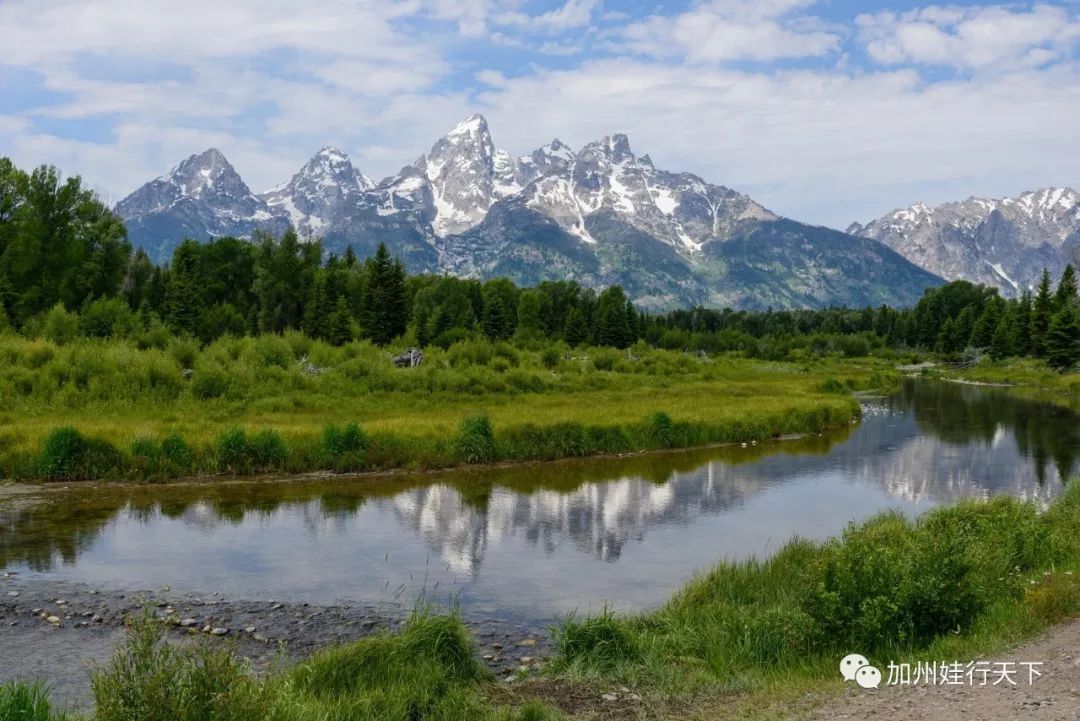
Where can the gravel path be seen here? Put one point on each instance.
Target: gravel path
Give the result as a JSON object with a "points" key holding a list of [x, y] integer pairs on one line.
{"points": [[1053, 696]]}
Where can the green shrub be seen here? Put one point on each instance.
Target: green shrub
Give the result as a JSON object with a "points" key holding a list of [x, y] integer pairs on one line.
{"points": [[550, 357], [343, 448], [26, 702], [602, 642], [476, 441], [268, 450], [145, 457], [233, 453], [67, 455], [662, 430], [107, 318], [184, 351], [889, 584], [150, 679], [209, 383], [61, 325], [605, 359], [176, 456]]}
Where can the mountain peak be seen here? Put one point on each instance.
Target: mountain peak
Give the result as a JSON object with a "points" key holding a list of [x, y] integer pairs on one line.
{"points": [[201, 173], [475, 124]]}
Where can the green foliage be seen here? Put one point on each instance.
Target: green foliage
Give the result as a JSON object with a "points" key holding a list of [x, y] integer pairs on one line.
{"points": [[107, 318], [601, 643], [1063, 338], [662, 430], [67, 455], [476, 440], [209, 383], [267, 450], [61, 326], [343, 447], [233, 452], [889, 587], [26, 702], [263, 451], [177, 458], [385, 303], [150, 679], [887, 584]]}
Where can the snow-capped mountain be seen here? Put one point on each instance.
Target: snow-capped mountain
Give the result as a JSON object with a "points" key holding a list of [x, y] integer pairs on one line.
{"points": [[1003, 243], [326, 189], [601, 215], [201, 197]]}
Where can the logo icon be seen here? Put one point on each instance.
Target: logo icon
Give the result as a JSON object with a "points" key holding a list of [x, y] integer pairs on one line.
{"points": [[855, 667]]}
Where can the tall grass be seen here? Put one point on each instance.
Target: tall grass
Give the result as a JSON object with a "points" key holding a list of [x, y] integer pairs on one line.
{"points": [[888, 588], [110, 409], [27, 702], [427, 672]]}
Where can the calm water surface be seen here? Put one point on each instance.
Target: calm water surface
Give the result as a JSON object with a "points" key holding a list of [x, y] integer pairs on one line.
{"points": [[537, 542]]}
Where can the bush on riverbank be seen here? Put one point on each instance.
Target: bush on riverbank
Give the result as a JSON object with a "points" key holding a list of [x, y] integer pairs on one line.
{"points": [[27, 702], [887, 588], [66, 454], [427, 672]]}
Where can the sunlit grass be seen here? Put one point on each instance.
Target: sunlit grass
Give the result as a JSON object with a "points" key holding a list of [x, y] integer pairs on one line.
{"points": [[116, 393]]}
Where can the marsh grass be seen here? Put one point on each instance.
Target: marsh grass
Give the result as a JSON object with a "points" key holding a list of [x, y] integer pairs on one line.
{"points": [[1031, 378], [426, 672], [27, 702], [961, 580], [154, 421]]}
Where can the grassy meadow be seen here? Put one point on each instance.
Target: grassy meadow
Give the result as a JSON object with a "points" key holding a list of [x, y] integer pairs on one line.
{"points": [[1029, 377], [111, 409]]}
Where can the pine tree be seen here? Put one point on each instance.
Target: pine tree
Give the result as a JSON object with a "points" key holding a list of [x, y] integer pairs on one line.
{"points": [[612, 326], [1041, 310], [1023, 325], [339, 325], [350, 257], [1063, 339], [576, 331], [316, 312], [1067, 289], [183, 292], [985, 326], [496, 320], [385, 300], [1002, 344]]}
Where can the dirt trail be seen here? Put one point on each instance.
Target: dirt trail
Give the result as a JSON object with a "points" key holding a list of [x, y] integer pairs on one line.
{"points": [[1054, 696]]}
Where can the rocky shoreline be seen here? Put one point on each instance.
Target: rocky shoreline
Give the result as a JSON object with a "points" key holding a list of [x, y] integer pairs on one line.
{"points": [[56, 630]]}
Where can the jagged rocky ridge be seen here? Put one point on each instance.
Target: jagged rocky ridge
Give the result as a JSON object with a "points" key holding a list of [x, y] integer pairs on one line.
{"points": [[1002, 243], [601, 215]]}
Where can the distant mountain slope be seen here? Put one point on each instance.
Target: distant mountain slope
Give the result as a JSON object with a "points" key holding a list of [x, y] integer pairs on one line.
{"points": [[201, 197], [1001, 243], [601, 215]]}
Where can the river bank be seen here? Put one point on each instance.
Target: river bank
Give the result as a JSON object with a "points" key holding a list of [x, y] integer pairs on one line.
{"points": [[132, 415], [49, 620]]}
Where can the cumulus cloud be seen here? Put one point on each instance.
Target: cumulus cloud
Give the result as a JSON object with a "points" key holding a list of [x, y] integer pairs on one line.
{"points": [[572, 14], [730, 30], [853, 118], [973, 37]]}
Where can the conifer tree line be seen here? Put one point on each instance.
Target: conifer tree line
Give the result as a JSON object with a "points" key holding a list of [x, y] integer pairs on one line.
{"points": [[67, 269]]}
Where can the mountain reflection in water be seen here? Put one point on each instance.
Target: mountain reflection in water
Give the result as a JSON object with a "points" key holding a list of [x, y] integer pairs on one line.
{"points": [[544, 539]]}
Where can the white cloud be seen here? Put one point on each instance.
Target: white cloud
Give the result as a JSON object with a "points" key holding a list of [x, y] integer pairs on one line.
{"points": [[269, 85], [971, 38], [823, 146], [730, 30], [572, 14]]}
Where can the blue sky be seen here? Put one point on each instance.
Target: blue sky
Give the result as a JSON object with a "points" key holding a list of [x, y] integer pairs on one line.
{"points": [[827, 111]]}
